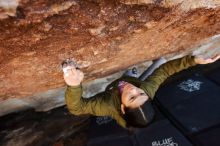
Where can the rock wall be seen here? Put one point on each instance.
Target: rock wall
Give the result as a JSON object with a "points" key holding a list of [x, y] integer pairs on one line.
{"points": [[102, 36]]}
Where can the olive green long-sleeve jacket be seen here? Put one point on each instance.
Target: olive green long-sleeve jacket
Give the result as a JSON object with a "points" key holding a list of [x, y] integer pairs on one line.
{"points": [[108, 103]]}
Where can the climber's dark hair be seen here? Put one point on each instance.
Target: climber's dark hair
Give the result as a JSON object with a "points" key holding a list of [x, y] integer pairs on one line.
{"points": [[141, 116]]}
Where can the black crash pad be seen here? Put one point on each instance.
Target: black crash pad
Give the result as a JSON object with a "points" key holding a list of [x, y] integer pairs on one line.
{"points": [[104, 131], [209, 138], [105, 127], [214, 76], [116, 141], [161, 133], [193, 103], [108, 133], [183, 89]]}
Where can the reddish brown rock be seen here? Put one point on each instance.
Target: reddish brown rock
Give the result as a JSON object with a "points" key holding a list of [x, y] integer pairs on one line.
{"points": [[103, 36], [32, 47]]}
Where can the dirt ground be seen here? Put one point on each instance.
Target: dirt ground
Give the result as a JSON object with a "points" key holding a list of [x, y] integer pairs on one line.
{"points": [[56, 127]]}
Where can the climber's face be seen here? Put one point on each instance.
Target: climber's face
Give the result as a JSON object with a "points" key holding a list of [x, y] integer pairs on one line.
{"points": [[132, 97]]}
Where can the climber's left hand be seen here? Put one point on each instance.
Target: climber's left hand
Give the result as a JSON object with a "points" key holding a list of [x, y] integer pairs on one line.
{"points": [[202, 60]]}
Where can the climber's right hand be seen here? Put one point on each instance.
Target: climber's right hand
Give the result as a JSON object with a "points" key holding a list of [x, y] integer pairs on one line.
{"points": [[71, 75]]}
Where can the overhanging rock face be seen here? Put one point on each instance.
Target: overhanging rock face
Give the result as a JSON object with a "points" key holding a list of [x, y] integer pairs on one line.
{"points": [[103, 36]]}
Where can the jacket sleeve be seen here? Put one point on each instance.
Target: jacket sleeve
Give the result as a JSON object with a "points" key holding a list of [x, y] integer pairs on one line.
{"points": [[152, 83], [99, 105]]}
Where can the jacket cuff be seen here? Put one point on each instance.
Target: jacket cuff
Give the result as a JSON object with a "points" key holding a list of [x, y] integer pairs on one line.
{"points": [[74, 87]]}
